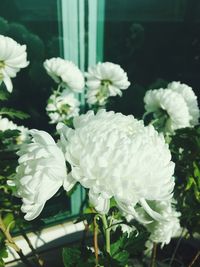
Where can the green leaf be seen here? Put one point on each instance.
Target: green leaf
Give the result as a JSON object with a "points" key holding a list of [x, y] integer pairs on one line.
{"points": [[12, 113], [118, 252], [3, 253], [122, 257], [2, 264], [3, 95], [71, 256], [190, 182], [9, 221]]}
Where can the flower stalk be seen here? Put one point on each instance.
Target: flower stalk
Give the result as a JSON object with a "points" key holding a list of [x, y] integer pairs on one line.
{"points": [[194, 259], [10, 242], [96, 248], [153, 257], [107, 232]]}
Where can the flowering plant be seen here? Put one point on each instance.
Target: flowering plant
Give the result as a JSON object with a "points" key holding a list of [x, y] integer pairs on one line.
{"points": [[129, 168]]}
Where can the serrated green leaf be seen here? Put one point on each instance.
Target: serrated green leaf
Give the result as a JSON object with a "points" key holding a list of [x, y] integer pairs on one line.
{"points": [[12, 113]]}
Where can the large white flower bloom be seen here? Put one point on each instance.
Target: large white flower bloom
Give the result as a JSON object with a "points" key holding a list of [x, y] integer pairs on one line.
{"points": [[66, 73], [163, 231], [190, 98], [41, 172], [6, 124], [105, 80], [12, 59], [116, 156], [169, 107], [62, 107]]}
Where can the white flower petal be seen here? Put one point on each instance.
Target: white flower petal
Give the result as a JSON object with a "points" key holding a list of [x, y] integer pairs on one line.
{"points": [[42, 171], [65, 72], [62, 107], [105, 80], [117, 156], [171, 102], [101, 204], [13, 58], [190, 98]]}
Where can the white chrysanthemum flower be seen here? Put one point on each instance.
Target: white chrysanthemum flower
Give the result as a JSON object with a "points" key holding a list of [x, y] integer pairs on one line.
{"points": [[6, 124], [105, 80], [169, 109], [13, 57], [62, 107], [41, 172], [116, 156], [190, 99], [65, 73], [163, 231]]}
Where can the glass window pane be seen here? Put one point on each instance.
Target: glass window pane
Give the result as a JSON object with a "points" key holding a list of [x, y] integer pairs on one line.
{"points": [[36, 24], [152, 40]]}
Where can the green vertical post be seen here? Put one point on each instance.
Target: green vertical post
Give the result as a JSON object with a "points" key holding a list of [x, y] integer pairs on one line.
{"points": [[100, 30]]}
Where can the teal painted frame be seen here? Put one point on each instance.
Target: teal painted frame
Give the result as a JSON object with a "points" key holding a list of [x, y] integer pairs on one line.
{"points": [[72, 16]]}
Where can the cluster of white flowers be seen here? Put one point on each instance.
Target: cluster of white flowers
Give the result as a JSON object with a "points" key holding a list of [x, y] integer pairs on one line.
{"points": [[174, 107], [6, 124], [66, 73], [62, 107], [42, 171], [105, 80], [13, 57], [112, 155], [124, 160]]}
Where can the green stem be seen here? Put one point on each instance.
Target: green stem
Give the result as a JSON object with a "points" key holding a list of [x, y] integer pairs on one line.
{"points": [[195, 259], [96, 249], [10, 242], [107, 232], [153, 256]]}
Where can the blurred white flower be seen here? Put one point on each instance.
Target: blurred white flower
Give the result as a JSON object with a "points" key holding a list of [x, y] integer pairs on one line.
{"points": [[13, 57], [41, 172], [163, 231], [116, 156], [125, 227], [6, 124], [62, 107], [169, 109], [190, 98], [65, 73], [105, 80]]}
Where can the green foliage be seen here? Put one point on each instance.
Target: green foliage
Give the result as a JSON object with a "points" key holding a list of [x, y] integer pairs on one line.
{"points": [[185, 148], [3, 251], [8, 141], [3, 95], [70, 256], [9, 221], [12, 113]]}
